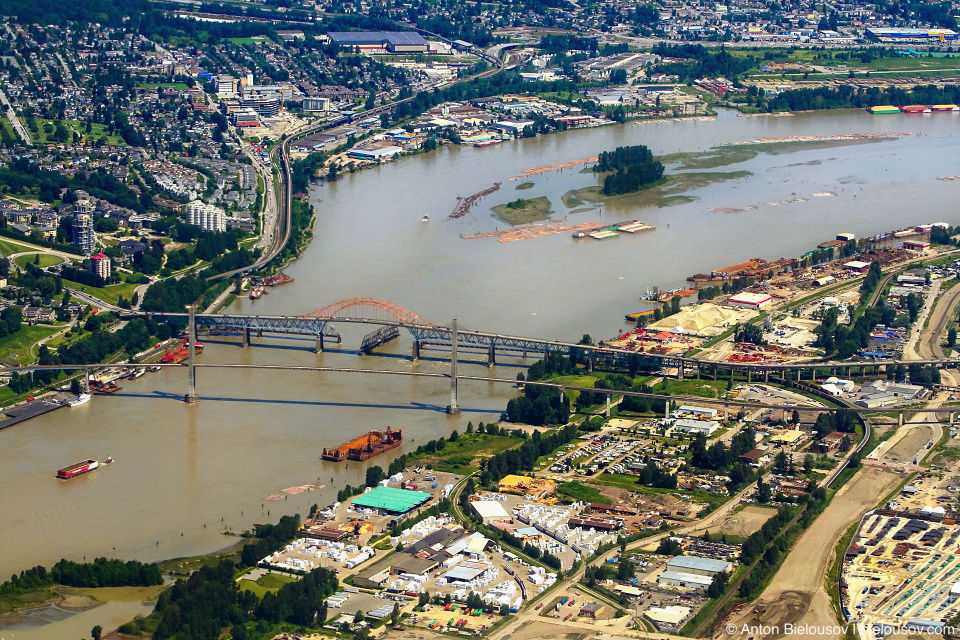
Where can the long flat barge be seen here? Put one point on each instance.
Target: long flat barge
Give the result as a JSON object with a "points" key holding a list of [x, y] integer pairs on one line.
{"points": [[75, 470], [371, 444]]}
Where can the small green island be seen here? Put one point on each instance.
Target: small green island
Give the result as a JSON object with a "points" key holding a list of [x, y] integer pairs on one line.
{"points": [[630, 169], [524, 211]]}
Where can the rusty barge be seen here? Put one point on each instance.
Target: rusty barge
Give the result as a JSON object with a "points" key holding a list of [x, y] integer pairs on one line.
{"points": [[366, 446]]}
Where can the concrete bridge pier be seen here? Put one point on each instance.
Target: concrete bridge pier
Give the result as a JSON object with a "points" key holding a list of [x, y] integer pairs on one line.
{"points": [[319, 347], [666, 408], [900, 419], [766, 375], [606, 411], [491, 355], [191, 396], [453, 408], [245, 342], [680, 369], [85, 385], [726, 412], [698, 371], [714, 373], [589, 363], [950, 418], [416, 350], [749, 376]]}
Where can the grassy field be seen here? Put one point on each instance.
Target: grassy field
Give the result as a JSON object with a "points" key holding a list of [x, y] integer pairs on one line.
{"points": [[461, 456], [266, 584], [8, 129], [180, 86], [583, 493], [245, 40], [532, 210], [579, 381], [108, 294], [15, 348], [701, 388], [11, 602], [97, 131], [46, 260], [9, 247]]}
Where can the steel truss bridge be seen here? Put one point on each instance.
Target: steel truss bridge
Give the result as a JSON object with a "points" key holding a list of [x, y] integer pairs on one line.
{"points": [[320, 325]]}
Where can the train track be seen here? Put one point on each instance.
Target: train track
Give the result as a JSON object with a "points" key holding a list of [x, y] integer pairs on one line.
{"points": [[280, 153]]}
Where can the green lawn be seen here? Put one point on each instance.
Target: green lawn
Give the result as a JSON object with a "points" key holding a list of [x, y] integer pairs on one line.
{"points": [[108, 294], [583, 493], [9, 247], [15, 348], [266, 584], [97, 131], [180, 86], [8, 129], [46, 260], [245, 40], [577, 381]]}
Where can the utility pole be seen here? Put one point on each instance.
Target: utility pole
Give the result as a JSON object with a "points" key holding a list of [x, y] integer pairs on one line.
{"points": [[453, 409], [191, 396]]}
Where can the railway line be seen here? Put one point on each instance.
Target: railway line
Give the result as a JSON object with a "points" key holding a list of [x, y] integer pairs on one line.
{"points": [[280, 155]]}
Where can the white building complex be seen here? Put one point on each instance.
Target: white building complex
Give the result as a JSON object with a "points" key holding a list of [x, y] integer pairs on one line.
{"points": [[206, 216]]}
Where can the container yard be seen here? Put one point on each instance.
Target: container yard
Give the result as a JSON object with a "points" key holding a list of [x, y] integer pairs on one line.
{"points": [[366, 446]]}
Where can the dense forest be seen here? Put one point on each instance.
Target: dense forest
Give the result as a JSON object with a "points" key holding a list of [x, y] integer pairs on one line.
{"points": [[99, 573], [848, 97], [631, 169], [698, 62], [201, 606]]}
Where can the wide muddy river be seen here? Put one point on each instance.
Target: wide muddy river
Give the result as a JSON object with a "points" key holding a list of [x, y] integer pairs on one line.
{"points": [[185, 474]]}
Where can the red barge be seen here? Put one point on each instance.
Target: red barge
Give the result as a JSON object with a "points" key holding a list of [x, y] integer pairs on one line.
{"points": [[75, 470]]}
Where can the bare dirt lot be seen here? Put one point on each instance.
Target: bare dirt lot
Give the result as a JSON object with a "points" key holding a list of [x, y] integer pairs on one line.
{"points": [[907, 447], [797, 594], [744, 522]]}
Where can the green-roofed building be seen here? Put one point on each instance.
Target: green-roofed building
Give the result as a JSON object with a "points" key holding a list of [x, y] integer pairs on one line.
{"points": [[391, 500]]}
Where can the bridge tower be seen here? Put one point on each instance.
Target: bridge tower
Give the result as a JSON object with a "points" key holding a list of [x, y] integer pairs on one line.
{"points": [[191, 396], [454, 408]]}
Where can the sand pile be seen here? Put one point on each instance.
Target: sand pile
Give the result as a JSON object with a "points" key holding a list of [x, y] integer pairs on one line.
{"points": [[696, 318]]}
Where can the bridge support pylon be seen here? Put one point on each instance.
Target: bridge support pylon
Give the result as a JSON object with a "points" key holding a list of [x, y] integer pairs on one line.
{"points": [[491, 356], [85, 386], [453, 408], [900, 419], [950, 418], [666, 409], [416, 350], [192, 396], [246, 338], [606, 412], [319, 347]]}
